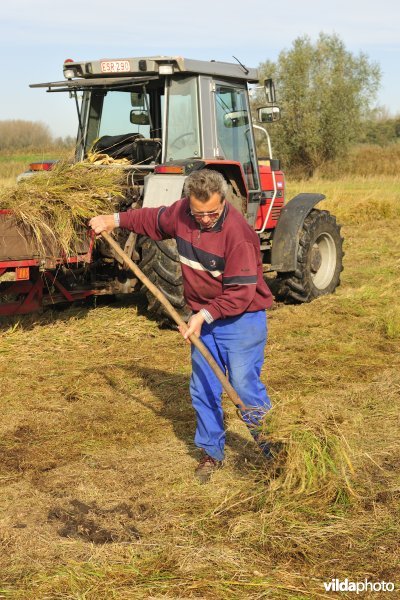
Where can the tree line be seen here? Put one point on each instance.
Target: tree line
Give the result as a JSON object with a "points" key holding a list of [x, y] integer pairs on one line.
{"points": [[16, 134]]}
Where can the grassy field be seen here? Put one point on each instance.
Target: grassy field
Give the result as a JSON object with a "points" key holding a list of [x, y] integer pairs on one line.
{"points": [[97, 497], [14, 163]]}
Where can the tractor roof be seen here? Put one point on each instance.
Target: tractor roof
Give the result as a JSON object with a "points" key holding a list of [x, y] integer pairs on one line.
{"points": [[110, 69]]}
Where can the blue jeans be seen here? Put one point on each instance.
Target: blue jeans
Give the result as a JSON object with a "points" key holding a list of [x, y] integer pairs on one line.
{"points": [[237, 344]]}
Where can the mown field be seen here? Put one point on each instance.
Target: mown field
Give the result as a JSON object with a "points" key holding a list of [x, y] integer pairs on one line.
{"points": [[97, 496]]}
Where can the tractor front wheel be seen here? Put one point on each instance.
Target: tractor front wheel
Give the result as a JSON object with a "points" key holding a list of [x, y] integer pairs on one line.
{"points": [[319, 259]]}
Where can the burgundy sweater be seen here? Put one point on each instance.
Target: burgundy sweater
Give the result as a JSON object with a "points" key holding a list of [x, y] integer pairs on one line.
{"points": [[221, 267]]}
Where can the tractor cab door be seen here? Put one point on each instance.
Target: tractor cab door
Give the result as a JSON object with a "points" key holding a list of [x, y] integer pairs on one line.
{"points": [[182, 138], [235, 137], [234, 133]]}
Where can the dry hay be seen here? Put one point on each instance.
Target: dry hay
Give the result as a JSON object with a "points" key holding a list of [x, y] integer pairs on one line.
{"points": [[97, 459], [98, 499], [57, 205]]}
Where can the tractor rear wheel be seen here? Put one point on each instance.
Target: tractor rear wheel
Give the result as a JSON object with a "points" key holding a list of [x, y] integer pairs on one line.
{"points": [[319, 259], [160, 262]]}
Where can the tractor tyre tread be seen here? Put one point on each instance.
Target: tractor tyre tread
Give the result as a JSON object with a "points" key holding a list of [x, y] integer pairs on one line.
{"points": [[160, 262]]}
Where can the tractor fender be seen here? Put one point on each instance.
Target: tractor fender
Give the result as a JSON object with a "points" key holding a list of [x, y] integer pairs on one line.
{"points": [[162, 189], [287, 232]]}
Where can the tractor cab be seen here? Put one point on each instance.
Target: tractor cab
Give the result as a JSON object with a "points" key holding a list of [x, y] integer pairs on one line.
{"points": [[167, 110]]}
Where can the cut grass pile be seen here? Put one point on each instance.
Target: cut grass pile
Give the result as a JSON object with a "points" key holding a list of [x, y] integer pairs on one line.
{"points": [[97, 497], [56, 205]]}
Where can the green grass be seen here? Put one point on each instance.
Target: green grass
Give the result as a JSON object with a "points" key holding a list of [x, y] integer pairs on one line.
{"points": [[13, 164], [25, 157]]}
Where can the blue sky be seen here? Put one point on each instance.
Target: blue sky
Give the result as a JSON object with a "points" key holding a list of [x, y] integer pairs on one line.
{"points": [[37, 35]]}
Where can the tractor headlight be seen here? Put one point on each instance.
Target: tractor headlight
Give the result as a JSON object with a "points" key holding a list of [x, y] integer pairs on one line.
{"points": [[69, 73]]}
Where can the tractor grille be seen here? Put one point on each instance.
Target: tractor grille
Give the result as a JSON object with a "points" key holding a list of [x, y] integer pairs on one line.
{"points": [[276, 209], [265, 203]]}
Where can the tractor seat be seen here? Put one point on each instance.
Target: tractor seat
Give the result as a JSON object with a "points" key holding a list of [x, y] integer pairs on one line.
{"points": [[116, 146], [146, 150], [133, 146]]}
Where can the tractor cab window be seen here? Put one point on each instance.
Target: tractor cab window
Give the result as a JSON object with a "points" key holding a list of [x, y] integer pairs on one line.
{"points": [[118, 110], [126, 124], [234, 137], [183, 138]]}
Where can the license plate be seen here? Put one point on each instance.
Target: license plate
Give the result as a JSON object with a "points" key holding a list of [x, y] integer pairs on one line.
{"points": [[115, 66]]}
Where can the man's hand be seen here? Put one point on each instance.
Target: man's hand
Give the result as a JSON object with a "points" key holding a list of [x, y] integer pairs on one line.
{"points": [[194, 326], [102, 223]]}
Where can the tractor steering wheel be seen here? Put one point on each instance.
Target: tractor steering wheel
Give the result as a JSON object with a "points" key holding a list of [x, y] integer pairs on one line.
{"points": [[180, 137]]}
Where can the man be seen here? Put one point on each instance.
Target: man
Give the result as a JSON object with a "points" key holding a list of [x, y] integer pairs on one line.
{"points": [[224, 287]]}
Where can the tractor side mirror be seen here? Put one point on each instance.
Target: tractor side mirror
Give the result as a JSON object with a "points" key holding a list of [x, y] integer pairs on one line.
{"points": [[139, 118], [269, 114], [269, 88], [236, 118]]}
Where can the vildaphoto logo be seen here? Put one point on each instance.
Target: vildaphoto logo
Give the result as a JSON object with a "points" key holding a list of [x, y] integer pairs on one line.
{"points": [[336, 585]]}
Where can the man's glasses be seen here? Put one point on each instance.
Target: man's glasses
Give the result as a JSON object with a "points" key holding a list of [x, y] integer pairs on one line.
{"points": [[213, 214]]}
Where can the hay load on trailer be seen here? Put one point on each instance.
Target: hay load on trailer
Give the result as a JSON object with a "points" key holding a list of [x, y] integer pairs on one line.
{"points": [[52, 209], [44, 237]]}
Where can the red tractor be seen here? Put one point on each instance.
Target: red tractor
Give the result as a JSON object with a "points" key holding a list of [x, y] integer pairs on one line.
{"points": [[170, 116]]}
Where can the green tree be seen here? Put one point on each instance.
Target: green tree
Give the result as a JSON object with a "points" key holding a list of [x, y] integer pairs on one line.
{"points": [[324, 91]]}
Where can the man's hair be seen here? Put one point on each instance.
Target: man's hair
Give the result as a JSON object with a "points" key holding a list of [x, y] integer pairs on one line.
{"points": [[204, 183]]}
